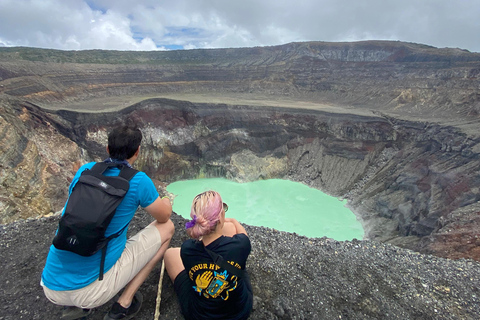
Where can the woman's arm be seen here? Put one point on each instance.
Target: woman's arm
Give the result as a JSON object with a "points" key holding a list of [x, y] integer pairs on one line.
{"points": [[238, 227]]}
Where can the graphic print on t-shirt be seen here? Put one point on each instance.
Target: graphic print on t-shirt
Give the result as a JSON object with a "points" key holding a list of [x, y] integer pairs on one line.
{"points": [[210, 283]]}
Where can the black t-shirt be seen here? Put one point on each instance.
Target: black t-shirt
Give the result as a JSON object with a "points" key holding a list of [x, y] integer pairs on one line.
{"points": [[215, 292]]}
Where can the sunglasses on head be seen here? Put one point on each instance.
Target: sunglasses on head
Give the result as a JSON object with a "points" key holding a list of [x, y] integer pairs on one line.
{"points": [[225, 207]]}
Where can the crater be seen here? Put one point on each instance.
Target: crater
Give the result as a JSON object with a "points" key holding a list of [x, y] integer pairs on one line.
{"points": [[400, 178], [393, 130]]}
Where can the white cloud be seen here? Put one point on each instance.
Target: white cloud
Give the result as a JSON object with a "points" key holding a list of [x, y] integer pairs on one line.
{"points": [[152, 24], [66, 25], [113, 31]]}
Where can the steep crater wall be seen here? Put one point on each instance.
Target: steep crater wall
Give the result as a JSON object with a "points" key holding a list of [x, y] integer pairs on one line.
{"points": [[413, 182], [407, 181]]}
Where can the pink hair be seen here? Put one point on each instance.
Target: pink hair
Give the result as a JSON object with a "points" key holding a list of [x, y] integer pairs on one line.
{"points": [[207, 208]]}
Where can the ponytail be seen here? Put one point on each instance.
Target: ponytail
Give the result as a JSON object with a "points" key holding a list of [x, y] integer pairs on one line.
{"points": [[205, 213]]}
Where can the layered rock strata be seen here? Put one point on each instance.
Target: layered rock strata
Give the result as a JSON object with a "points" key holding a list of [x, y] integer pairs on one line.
{"points": [[403, 180], [390, 126], [404, 79]]}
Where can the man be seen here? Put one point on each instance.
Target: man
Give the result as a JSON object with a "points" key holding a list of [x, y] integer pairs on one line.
{"points": [[72, 280]]}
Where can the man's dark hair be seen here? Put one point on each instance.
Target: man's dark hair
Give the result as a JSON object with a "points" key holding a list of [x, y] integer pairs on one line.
{"points": [[123, 142]]}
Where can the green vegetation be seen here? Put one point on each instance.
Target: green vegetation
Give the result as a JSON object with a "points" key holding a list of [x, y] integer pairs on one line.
{"points": [[401, 51], [178, 57], [103, 56]]}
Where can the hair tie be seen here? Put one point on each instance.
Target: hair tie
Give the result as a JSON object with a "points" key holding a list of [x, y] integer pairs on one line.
{"points": [[190, 224]]}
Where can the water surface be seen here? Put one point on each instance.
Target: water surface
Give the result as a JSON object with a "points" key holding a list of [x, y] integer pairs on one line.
{"points": [[275, 203]]}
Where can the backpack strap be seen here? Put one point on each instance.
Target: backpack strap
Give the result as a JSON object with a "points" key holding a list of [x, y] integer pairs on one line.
{"points": [[125, 172], [100, 167], [104, 251], [218, 260], [102, 262]]}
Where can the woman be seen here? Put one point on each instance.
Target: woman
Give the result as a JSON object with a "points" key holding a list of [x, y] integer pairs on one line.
{"points": [[208, 270]]}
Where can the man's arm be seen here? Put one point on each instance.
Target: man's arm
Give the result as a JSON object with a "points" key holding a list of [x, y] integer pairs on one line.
{"points": [[160, 209]]}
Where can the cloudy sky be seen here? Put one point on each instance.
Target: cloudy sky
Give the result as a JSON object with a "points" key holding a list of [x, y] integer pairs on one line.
{"points": [[190, 24]]}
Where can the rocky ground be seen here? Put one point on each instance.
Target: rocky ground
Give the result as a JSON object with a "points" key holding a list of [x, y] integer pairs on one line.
{"points": [[413, 171], [293, 277]]}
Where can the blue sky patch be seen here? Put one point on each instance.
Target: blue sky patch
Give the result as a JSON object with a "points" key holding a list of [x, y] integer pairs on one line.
{"points": [[172, 46], [95, 6], [184, 32]]}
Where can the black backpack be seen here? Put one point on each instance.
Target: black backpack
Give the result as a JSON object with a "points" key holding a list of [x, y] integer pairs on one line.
{"points": [[90, 209]]}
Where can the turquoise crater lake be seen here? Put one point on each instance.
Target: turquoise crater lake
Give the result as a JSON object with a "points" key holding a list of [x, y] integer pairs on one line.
{"points": [[280, 204]]}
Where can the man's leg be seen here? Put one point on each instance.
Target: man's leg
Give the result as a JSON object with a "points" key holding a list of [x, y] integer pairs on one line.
{"points": [[166, 232]]}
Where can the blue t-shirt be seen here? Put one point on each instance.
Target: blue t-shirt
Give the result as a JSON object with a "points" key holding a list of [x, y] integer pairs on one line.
{"points": [[65, 270]]}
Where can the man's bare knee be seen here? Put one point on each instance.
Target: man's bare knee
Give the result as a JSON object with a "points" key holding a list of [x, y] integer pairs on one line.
{"points": [[166, 229]]}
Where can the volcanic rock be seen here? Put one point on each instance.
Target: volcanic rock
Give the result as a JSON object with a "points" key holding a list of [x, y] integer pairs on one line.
{"points": [[391, 127]]}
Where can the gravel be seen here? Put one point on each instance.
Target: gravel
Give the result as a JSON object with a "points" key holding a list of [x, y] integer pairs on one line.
{"points": [[293, 277]]}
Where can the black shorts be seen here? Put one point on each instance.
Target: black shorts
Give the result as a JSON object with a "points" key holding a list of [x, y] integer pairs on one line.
{"points": [[183, 288]]}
